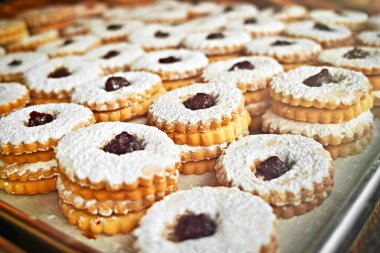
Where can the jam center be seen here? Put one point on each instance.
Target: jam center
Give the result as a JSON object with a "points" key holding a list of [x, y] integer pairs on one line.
{"points": [[282, 43], [199, 101], [323, 27], [249, 21], [67, 42], [228, 9], [242, 65], [168, 60], [356, 53], [319, 79], [39, 118], [271, 168], [215, 36], [160, 34], [59, 73], [114, 27], [123, 143], [15, 63], [115, 83], [192, 226], [111, 54]]}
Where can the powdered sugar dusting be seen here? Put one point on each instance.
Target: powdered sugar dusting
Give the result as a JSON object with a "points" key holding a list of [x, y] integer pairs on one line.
{"points": [[11, 92], [331, 17], [28, 61], [21, 169], [369, 38]]}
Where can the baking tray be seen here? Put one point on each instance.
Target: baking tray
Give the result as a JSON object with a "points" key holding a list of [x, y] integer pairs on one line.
{"points": [[331, 227]]}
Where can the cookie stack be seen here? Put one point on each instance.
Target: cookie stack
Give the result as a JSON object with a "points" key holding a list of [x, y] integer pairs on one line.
{"points": [[202, 119], [331, 105], [27, 139], [121, 96], [109, 173], [252, 76]]}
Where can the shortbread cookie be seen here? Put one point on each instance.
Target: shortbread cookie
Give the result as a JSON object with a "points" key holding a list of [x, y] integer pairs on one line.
{"points": [[115, 57], [201, 114], [11, 31], [246, 73], [355, 20], [326, 134], [35, 157], [28, 171], [176, 68], [29, 187], [81, 27], [291, 52], [256, 26], [326, 35], [287, 14], [191, 220], [57, 78], [198, 167], [217, 46], [238, 10], [204, 8], [112, 32], [13, 66], [38, 128], [117, 91], [369, 38], [157, 37], [135, 153], [77, 45], [210, 24], [285, 170], [13, 96], [165, 13], [256, 96], [31, 43]]}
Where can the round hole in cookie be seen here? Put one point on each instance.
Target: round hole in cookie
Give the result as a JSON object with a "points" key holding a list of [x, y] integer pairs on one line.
{"points": [[249, 21], [110, 54], [39, 118], [67, 42], [272, 167], [322, 27], [123, 143], [247, 65], [114, 27], [59, 72], [15, 63], [282, 43], [199, 101], [161, 34], [215, 36], [356, 53], [169, 60], [116, 82]]}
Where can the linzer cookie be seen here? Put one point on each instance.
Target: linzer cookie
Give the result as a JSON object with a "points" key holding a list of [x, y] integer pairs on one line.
{"points": [[55, 80], [13, 66], [287, 14], [13, 96], [77, 45], [355, 20], [157, 37], [165, 12], [362, 59], [135, 166], [290, 52], [81, 27], [218, 46], [31, 43], [326, 35], [121, 96], [238, 10], [112, 32], [27, 139], [256, 26], [177, 68], [48, 18], [320, 94], [12, 31], [292, 173], [369, 38], [210, 24], [192, 220], [115, 57], [205, 8], [201, 114]]}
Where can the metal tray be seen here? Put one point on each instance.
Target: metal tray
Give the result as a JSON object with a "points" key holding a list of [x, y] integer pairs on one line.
{"points": [[331, 227]]}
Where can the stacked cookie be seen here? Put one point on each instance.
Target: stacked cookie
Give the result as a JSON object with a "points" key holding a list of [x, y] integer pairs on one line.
{"points": [[252, 76], [12, 31], [202, 119], [13, 96], [27, 139], [109, 173], [121, 96], [331, 105]]}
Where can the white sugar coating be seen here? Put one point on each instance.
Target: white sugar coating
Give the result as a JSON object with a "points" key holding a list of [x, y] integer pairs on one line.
{"points": [[263, 25], [81, 71], [28, 61], [120, 13], [306, 29], [38, 38], [331, 17], [11, 92], [263, 46], [309, 161], [164, 12], [199, 42], [206, 8], [238, 10], [336, 58], [2, 51], [169, 107], [128, 53], [126, 28], [370, 38], [204, 24], [244, 222], [81, 154], [14, 129], [349, 86], [145, 36], [265, 68], [94, 92], [374, 22], [346, 129], [190, 62], [286, 12], [80, 44], [21, 169]]}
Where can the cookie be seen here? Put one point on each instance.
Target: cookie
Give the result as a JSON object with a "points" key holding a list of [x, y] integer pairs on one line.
{"points": [[287, 14], [256, 26], [89, 9], [115, 31], [354, 20], [285, 170], [11, 31], [209, 24], [202, 9], [238, 10], [81, 27], [31, 43], [368, 38], [13, 96], [165, 12]]}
